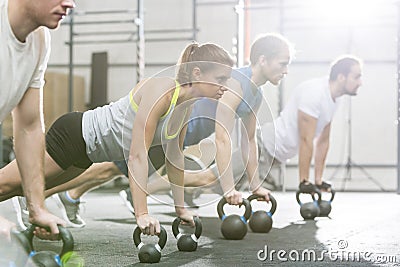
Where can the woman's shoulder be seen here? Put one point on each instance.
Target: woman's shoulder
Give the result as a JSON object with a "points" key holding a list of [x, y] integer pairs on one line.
{"points": [[160, 83], [154, 87]]}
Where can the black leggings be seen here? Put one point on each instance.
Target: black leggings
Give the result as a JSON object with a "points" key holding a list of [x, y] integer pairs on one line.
{"points": [[65, 143]]}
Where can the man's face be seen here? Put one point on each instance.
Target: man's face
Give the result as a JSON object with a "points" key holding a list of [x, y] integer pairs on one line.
{"points": [[353, 80], [276, 68], [49, 13]]}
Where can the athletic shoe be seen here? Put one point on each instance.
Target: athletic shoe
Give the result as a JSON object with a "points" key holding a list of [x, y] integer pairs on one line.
{"points": [[69, 210], [189, 195], [127, 199], [21, 209]]}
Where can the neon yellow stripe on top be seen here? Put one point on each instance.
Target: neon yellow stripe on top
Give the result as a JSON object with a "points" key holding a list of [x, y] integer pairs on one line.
{"points": [[172, 136], [173, 100]]}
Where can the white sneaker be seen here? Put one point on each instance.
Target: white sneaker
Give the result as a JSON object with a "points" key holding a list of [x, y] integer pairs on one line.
{"points": [[21, 209], [69, 210], [127, 199]]}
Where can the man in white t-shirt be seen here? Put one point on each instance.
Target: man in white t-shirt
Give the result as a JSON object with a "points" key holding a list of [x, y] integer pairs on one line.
{"points": [[24, 53], [303, 126]]}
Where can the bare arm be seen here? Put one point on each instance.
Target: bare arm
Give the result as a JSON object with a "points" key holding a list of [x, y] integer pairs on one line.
{"points": [[307, 125], [225, 120], [29, 148], [175, 169], [151, 108], [175, 166], [250, 155], [321, 150], [29, 151]]}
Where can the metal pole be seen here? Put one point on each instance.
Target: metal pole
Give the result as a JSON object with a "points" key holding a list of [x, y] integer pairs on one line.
{"points": [[194, 20], [349, 163], [281, 30], [71, 63], [282, 169], [398, 97], [240, 38], [140, 42], [246, 32]]}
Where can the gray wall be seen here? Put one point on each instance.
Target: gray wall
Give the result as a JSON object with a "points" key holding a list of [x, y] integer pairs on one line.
{"points": [[317, 38]]}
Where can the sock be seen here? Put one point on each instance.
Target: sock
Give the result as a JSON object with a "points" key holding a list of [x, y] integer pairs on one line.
{"points": [[70, 199]]}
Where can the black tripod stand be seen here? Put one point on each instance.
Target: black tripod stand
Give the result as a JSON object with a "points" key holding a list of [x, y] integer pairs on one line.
{"points": [[350, 163]]}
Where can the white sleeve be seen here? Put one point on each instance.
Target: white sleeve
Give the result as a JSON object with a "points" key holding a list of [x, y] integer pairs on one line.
{"points": [[309, 101], [44, 43]]}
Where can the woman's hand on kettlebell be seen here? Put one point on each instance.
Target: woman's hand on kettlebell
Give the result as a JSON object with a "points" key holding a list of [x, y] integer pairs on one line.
{"points": [[234, 197], [186, 216], [263, 193], [148, 224]]}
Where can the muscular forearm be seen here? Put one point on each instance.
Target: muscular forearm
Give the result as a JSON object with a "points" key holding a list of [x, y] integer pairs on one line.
{"points": [[252, 166], [137, 173], [223, 157], [29, 152], [307, 126], [321, 152], [176, 179], [305, 156]]}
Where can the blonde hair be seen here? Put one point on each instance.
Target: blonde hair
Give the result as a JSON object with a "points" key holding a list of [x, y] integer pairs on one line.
{"points": [[201, 56]]}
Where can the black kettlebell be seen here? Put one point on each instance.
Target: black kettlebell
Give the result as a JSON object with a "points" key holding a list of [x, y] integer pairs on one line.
{"points": [[12, 251], [261, 220], [309, 210], [234, 227], [325, 206], [150, 253], [50, 258], [187, 242]]}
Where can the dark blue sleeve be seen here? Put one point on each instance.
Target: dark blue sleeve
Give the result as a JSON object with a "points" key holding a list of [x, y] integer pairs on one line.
{"points": [[202, 121]]}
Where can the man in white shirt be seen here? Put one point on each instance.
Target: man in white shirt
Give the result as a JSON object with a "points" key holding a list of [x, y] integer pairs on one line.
{"points": [[304, 125], [24, 53]]}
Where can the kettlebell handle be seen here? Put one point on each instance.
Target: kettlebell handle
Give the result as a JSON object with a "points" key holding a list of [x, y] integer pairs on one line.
{"points": [[65, 234], [222, 202], [312, 196], [21, 239], [161, 241], [332, 195], [271, 198], [197, 225]]}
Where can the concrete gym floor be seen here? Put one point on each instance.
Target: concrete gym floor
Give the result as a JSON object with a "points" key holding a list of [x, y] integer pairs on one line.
{"points": [[360, 224]]}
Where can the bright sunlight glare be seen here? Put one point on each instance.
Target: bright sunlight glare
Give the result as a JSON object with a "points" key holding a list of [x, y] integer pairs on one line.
{"points": [[346, 12]]}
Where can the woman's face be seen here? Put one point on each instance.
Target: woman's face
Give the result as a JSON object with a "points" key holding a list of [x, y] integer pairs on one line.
{"points": [[276, 68], [212, 83]]}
